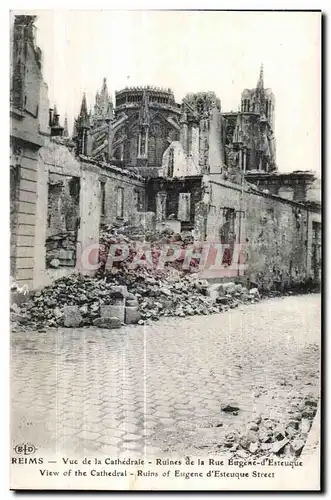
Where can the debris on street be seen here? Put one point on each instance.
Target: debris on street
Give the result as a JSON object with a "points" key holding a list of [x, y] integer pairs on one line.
{"points": [[262, 436], [149, 293], [77, 300], [268, 438]]}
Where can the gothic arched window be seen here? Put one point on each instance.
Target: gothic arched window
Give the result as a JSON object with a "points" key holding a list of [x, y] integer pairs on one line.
{"points": [[200, 106], [156, 129]]}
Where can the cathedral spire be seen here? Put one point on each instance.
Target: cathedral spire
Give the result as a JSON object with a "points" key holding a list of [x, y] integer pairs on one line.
{"points": [[83, 119], [103, 108], [83, 107], [104, 90], [260, 83]]}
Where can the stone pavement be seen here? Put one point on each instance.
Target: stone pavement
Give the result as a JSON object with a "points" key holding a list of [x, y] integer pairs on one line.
{"points": [[159, 388]]}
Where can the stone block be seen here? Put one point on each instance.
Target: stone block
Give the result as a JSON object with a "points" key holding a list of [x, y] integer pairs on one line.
{"points": [[254, 292], [105, 311], [279, 434], [265, 436], [132, 315], [113, 311], [213, 291], [278, 446], [213, 295], [230, 407], [297, 446], [54, 263], [72, 317], [228, 287], [293, 423], [252, 426], [223, 300], [305, 425], [265, 446], [118, 291], [253, 447], [65, 254], [110, 323], [18, 318], [132, 303]]}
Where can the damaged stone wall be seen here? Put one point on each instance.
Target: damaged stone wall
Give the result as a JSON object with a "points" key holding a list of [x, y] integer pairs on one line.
{"points": [[29, 114], [216, 153], [173, 198], [202, 123], [276, 234], [62, 220], [193, 154], [63, 193], [294, 186], [133, 196], [176, 162]]}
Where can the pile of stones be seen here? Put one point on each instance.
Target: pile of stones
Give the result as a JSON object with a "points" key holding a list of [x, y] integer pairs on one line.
{"points": [[265, 437], [123, 309], [190, 296], [134, 237], [86, 301]]}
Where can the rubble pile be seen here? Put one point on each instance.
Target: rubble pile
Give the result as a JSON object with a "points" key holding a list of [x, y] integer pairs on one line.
{"points": [[155, 293], [266, 436], [134, 236]]}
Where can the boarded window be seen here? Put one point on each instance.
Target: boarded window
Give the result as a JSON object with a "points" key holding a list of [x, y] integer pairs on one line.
{"points": [[120, 202], [139, 198], [227, 233]]}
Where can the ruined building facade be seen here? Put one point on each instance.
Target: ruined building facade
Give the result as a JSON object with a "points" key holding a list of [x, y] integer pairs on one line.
{"points": [[147, 159], [29, 129]]}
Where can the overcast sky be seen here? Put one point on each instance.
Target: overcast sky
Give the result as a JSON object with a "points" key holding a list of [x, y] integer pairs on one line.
{"points": [[190, 52]]}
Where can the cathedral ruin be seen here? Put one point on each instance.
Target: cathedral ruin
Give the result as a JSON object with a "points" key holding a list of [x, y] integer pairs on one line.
{"points": [[146, 158]]}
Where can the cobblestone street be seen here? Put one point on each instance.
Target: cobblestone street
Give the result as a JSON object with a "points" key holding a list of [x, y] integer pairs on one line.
{"points": [[159, 388]]}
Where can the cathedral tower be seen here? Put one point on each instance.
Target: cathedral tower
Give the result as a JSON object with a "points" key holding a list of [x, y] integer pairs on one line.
{"points": [[249, 134]]}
